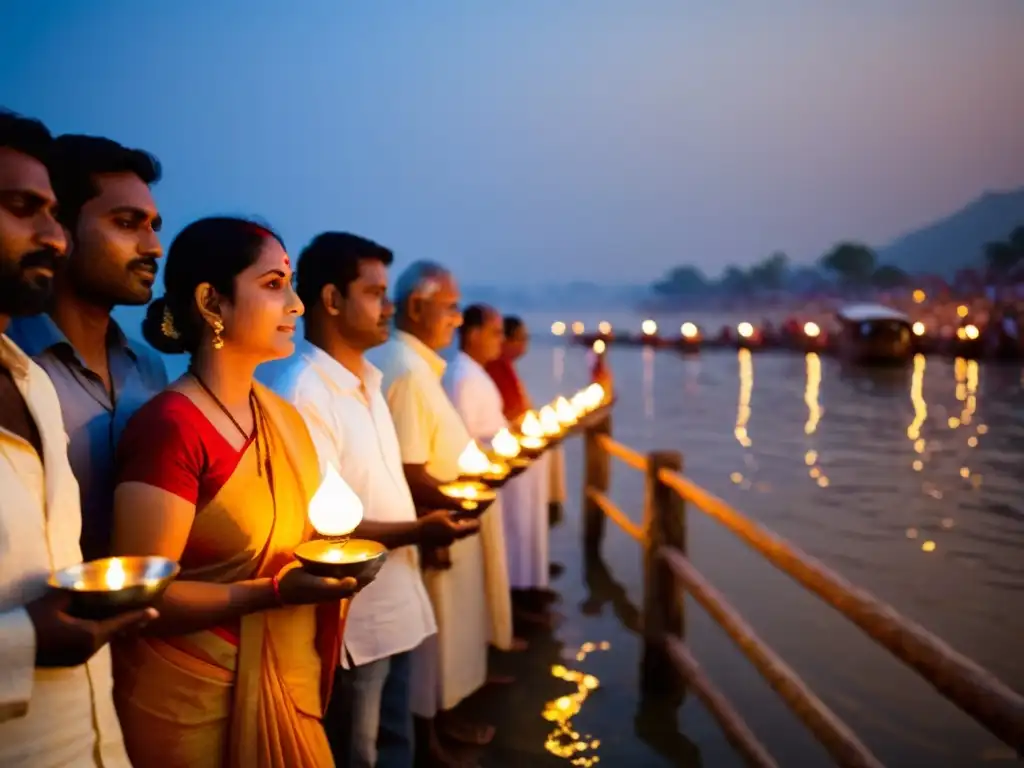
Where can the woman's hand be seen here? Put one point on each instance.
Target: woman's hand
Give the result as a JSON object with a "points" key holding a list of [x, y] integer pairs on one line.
{"points": [[297, 587]]}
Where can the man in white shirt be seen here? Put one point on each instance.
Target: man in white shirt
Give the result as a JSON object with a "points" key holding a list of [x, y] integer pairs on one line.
{"points": [[343, 281], [432, 436], [478, 401], [56, 707]]}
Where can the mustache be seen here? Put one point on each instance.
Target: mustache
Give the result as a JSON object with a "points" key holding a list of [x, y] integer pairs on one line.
{"points": [[46, 258], [144, 262]]}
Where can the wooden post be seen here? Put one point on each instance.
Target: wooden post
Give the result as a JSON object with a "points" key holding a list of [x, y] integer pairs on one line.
{"points": [[665, 524], [596, 475]]}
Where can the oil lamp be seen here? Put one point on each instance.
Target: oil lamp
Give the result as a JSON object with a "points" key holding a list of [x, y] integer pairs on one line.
{"points": [[471, 490], [475, 465], [532, 440], [334, 512], [565, 412], [103, 588], [549, 423], [505, 446]]}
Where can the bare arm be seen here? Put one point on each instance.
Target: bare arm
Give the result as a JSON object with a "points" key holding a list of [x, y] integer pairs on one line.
{"points": [[424, 488], [186, 606]]}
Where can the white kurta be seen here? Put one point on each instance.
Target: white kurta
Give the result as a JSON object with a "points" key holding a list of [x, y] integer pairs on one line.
{"points": [[430, 432], [557, 484], [478, 402]]}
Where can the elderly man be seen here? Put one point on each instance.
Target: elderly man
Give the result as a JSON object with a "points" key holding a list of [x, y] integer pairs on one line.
{"points": [[432, 436], [101, 377], [56, 706]]}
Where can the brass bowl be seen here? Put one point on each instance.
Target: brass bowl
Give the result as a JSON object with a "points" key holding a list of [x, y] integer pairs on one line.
{"points": [[359, 559], [145, 579], [518, 465], [531, 452]]}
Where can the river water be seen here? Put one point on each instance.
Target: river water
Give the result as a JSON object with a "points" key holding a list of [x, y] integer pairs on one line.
{"points": [[907, 482]]}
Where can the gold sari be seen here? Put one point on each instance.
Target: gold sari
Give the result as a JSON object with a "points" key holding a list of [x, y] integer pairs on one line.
{"points": [[251, 696]]}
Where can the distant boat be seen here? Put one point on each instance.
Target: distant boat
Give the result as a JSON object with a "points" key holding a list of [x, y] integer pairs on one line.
{"points": [[874, 334]]}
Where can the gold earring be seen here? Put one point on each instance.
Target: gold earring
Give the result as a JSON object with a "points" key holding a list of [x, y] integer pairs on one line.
{"points": [[218, 328]]}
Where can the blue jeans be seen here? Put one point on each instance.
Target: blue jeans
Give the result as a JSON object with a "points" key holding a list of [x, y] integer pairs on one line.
{"points": [[369, 720]]}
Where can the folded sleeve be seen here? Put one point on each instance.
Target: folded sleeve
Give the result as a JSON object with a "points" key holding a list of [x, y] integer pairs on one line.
{"points": [[412, 417], [17, 663]]}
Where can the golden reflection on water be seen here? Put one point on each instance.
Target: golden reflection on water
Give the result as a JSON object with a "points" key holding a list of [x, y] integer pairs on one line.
{"points": [[743, 407], [917, 399], [648, 364], [558, 364], [565, 741], [812, 390]]}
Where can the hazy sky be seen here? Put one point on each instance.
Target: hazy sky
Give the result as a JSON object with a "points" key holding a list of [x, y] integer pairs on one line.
{"points": [[602, 138]]}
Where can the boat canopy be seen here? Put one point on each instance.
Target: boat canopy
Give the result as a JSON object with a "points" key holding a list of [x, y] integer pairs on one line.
{"points": [[866, 313]]}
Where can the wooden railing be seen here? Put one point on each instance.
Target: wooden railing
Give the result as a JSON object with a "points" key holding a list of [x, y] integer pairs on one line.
{"points": [[669, 667]]}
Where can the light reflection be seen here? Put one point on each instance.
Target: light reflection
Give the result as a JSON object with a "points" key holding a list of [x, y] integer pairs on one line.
{"points": [[746, 387], [648, 363], [558, 364], [811, 393], [564, 741], [971, 401], [917, 398]]}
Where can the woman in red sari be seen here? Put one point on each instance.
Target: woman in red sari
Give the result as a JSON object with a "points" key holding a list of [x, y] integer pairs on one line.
{"points": [[217, 472]]}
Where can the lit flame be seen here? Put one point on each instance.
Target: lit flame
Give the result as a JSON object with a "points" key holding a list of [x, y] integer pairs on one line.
{"points": [[579, 403], [549, 421], [505, 444], [971, 331], [115, 577], [689, 330], [578, 328], [599, 347], [649, 327], [746, 330], [531, 425], [335, 509], [473, 461], [919, 296], [557, 328], [593, 396], [962, 310], [918, 328], [604, 328], [812, 330], [564, 411]]}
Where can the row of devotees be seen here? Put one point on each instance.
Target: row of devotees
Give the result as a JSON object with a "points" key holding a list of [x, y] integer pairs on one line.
{"points": [[245, 660]]}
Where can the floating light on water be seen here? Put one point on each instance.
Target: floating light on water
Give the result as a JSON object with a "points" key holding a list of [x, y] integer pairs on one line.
{"points": [[919, 296], [505, 444], [928, 546], [599, 346], [335, 510], [604, 328], [812, 330], [649, 327], [688, 330], [918, 328], [558, 328], [746, 330], [578, 328], [564, 741]]}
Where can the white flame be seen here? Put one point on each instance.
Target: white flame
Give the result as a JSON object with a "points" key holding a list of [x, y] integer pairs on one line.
{"points": [[593, 396], [473, 461], [579, 403], [505, 444], [549, 421], [115, 577], [531, 426], [564, 411], [335, 509]]}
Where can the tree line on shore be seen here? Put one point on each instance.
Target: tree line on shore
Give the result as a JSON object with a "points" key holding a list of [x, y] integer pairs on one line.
{"points": [[849, 267]]}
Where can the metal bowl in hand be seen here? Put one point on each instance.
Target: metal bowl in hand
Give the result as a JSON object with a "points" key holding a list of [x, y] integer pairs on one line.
{"points": [[359, 559], [103, 588]]}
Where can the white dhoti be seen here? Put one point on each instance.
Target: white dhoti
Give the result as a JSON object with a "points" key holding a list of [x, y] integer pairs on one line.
{"points": [[525, 515], [556, 487], [459, 597]]}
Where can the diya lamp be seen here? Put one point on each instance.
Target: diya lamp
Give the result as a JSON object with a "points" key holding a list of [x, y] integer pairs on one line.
{"points": [[471, 493], [334, 512], [565, 412], [550, 425], [506, 447], [475, 465], [103, 588], [532, 441]]}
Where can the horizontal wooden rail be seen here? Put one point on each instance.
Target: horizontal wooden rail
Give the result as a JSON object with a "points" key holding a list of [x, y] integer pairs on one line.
{"points": [[830, 730], [616, 515], [623, 453], [968, 685], [733, 726]]}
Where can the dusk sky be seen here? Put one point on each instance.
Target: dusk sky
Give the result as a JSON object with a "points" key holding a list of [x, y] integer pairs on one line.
{"points": [[605, 139]]}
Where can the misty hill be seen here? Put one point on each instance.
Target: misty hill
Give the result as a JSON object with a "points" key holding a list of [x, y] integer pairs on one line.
{"points": [[957, 241]]}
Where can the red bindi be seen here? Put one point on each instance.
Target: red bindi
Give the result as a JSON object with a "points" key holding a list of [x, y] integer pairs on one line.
{"points": [[287, 261]]}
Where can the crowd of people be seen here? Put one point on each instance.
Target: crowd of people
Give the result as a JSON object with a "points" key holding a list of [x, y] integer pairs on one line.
{"points": [[246, 660]]}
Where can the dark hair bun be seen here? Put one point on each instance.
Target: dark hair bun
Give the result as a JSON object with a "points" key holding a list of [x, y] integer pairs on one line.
{"points": [[153, 330]]}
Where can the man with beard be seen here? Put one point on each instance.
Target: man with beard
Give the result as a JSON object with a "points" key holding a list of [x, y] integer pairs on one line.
{"points": [[101, 377], [56, 706]]}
